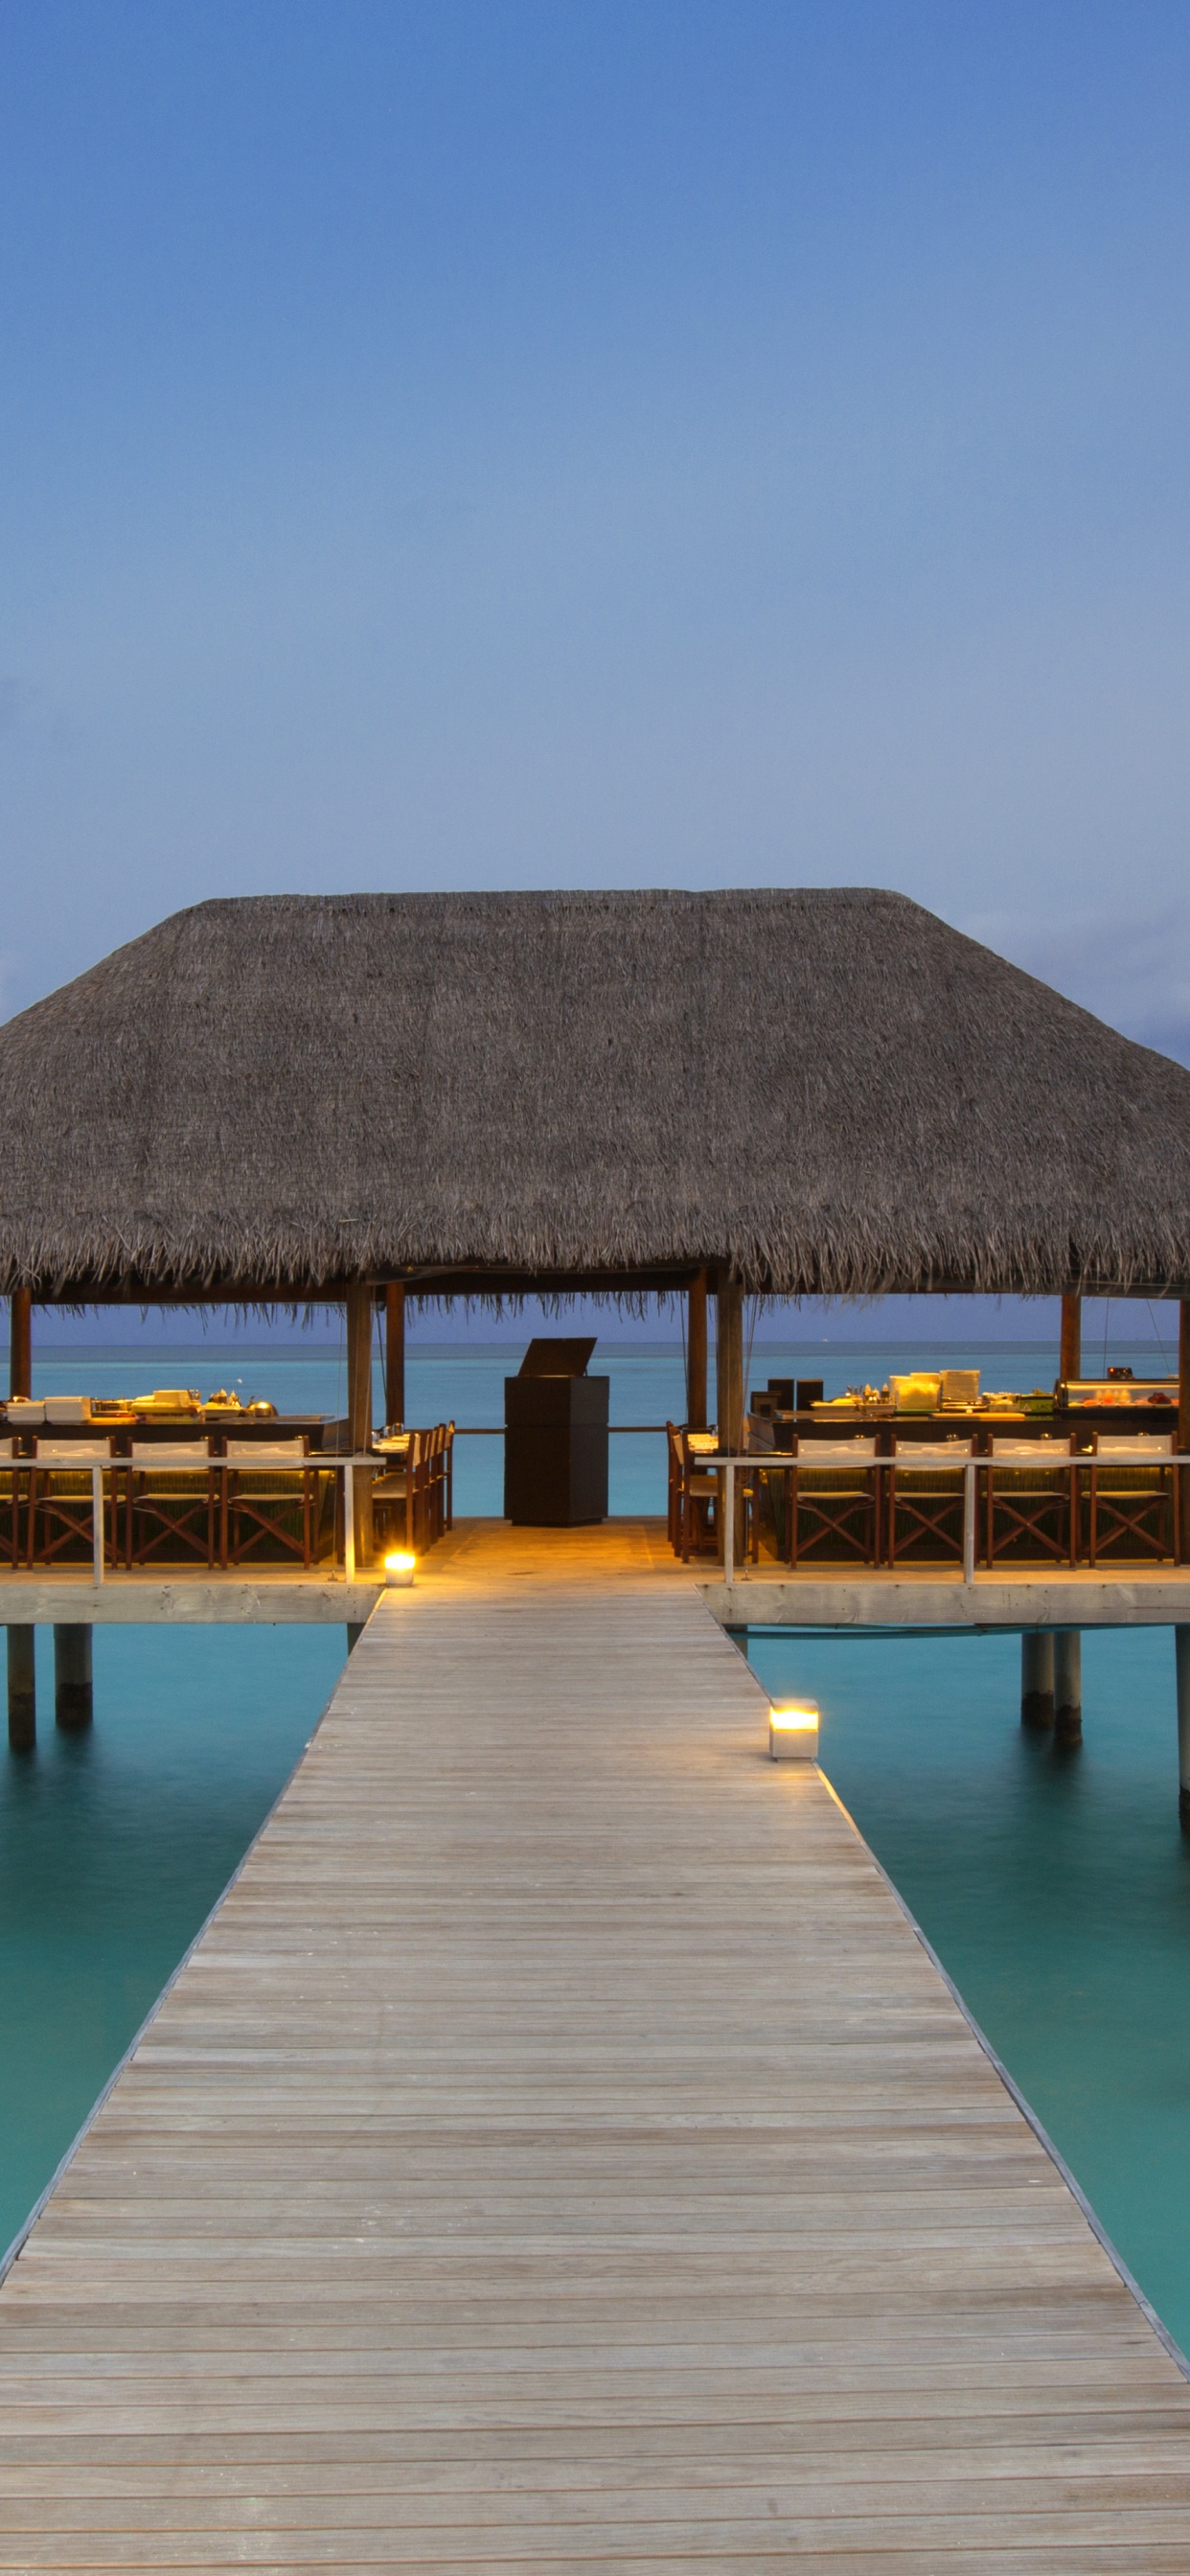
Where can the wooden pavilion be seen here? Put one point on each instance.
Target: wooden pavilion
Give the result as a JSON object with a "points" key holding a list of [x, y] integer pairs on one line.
{"points": [[775, 1092]]}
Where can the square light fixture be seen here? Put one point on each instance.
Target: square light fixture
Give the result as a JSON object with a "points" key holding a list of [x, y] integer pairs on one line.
{"points": [[398, 1569], [793, 1732]]}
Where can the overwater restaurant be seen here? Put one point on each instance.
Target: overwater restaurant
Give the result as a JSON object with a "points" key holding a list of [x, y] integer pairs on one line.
{"points": [[386, 1101]]}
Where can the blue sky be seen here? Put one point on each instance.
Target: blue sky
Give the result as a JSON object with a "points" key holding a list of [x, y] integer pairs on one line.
{"points": [[598, 442]]}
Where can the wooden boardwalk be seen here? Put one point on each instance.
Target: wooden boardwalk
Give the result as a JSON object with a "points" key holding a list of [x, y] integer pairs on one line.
{"points": [[560, 2152]]}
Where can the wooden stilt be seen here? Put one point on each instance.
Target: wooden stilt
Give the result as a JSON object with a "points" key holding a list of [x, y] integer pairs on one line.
{"points": [[696, 1353], [1068, 1686], [1037, 1678], [22, 1690], [394, 1352], [73, 1698], [1181, 1639], [1070, 1361], [355, 1630], [20, 1342], [361, 1309]]}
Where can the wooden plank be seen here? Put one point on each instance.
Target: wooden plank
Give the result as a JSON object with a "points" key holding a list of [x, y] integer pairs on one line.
{"points": [[559, 2150]]}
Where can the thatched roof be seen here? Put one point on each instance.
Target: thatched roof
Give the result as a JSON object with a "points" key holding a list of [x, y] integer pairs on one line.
{"points": [[831, 1091]]}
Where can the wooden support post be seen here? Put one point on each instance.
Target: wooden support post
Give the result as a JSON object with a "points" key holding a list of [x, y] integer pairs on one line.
{"points": [[1037, 1678], [394, 1352], [1068, 1686], [1181, 1639], [729, 1363], [1183, 1473], [73, 1703], [20, 1342], [22, 1690], [696, 1353], [1070, 1358], [361, 1307], [355, 1630], [729, 1386]]}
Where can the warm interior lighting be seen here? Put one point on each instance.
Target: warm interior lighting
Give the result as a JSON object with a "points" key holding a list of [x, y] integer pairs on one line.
{"points": [[793, 1731], [398, 1568]]}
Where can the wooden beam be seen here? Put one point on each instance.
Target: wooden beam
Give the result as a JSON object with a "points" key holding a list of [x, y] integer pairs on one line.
{"points": [[361, 1308], [20, 1342], [729, 1361], [1183, 1473], [696, 1353], [394, 1352], [729, 1384], [360, 1311], [1070, 1362]]}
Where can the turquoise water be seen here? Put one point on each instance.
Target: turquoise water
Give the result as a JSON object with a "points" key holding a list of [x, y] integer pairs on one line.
{"points": [[115, 1844], [1055, 1888]]}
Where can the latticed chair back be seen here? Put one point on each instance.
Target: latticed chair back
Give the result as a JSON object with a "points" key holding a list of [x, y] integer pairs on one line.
{"points": [[167, 1516], [1030, 1502], [1130, 1498], [925, 1511], [61, 1505], [834, 1501], [267, 1501]]}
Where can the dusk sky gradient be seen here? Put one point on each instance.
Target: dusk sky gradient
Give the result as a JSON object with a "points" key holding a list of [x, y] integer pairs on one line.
{"points": [[599, 442]]}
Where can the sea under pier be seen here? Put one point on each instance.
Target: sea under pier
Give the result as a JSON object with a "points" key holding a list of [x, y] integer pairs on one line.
{"points": [[558, 2149]]}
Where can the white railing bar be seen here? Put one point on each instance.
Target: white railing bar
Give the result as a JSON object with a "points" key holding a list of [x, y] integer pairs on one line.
{"points": [[707, 1461], [97, 1525], [785, 1464]]}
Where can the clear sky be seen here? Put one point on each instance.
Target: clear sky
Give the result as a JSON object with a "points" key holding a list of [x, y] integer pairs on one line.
{"points": [[599, 442]]}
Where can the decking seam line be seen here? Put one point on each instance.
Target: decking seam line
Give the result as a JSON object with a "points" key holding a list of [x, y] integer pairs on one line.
{"points": [[23, 2233], [1011, 2086]]}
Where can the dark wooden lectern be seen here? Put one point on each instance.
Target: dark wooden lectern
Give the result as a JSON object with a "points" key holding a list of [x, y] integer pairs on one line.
{"points": [[555, 1438]]}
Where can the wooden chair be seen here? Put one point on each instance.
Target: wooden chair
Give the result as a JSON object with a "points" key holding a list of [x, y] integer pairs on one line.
{"points": [[167, 1516], [1132, 1502], [267, 1486], [434, 1497], [1029, 1502], [765, 1498], [834, 1502], [924, 1512], [398, 1499], [694, 1514], [61, 1517]]}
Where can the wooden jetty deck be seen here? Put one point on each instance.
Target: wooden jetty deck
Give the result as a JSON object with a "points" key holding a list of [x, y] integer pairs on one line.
{"points": [[560, 2151]]}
